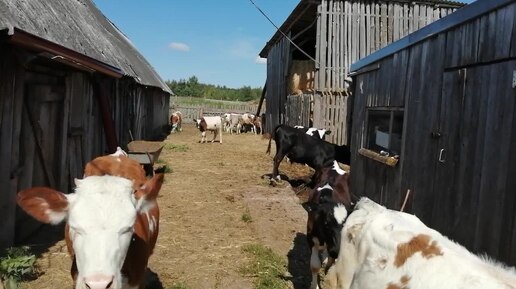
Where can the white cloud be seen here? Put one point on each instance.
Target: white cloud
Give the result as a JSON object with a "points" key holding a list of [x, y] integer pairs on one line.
{"points": [[260, 60], [241, 49], [179, 46]]}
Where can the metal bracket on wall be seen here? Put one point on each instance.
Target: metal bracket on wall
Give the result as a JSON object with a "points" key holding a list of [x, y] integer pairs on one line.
{"points": [[441, 156]]}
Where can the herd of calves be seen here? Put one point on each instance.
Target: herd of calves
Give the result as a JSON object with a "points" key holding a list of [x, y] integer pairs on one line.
{"points": [[361, 244]]}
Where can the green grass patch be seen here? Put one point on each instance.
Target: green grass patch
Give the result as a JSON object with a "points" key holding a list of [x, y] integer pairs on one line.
{"points": [[176, 147], [167, 170], [266, 266], [179, 286], [246, 217], [163, 164]]}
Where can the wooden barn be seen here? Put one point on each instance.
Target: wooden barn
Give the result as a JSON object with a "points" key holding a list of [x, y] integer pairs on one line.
{"points": [[306, 78], [72, 87], [435, 114]]}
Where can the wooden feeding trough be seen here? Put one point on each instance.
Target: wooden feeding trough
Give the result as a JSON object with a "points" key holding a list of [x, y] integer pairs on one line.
{"points": [[145, 152]]}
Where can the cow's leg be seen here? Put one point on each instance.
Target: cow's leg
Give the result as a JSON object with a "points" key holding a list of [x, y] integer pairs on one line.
{"points": [[203, 136], [220, 137], [214, 135], [315, 265], [275, 165]]}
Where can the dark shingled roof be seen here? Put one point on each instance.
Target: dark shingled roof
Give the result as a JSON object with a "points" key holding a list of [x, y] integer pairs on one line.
{"points": [[303, 15], [79, 26]]}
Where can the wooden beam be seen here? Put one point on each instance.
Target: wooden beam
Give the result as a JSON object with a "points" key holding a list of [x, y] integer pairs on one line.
{"points": [[264, 91], [304, 30], [390, 161]]}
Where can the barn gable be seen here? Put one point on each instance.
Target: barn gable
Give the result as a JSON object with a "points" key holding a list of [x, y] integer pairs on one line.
{"points": [[330, 35], [441, 130]]}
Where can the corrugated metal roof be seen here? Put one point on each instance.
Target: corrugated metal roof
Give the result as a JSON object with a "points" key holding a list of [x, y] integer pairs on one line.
{"points": [[302, 16], [80, 26]]}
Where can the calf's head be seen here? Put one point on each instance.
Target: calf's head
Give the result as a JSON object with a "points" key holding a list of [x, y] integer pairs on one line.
{"points": [[100, 216], [327, 219]]}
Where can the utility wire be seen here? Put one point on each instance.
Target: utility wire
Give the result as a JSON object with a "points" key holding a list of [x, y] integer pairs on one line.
{"points": [[290, 40], [284, 35]]}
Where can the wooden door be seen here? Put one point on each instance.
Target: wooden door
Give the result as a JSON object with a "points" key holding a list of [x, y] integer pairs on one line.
{"points": [[475, 196], [44, 138]]}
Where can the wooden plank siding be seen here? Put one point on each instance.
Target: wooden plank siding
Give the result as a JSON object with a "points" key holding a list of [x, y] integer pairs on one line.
{"points": [[347, 30], [459, 131], [9, 112], [298, 110], [277, 71]]}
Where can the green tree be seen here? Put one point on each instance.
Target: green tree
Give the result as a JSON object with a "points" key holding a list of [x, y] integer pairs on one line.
{"points": [[192, 87]]}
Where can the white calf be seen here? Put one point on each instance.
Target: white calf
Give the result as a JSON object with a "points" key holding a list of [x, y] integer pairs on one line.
{"points": [[210, 123], [381, 248]]}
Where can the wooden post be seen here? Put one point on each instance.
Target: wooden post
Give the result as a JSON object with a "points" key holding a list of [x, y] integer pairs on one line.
{"points": [[264, 91]]}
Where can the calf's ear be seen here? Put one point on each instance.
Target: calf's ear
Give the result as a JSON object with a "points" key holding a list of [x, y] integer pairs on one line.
{"points": [[151, 188], [44, 204], [309, 206], [328, 132]]}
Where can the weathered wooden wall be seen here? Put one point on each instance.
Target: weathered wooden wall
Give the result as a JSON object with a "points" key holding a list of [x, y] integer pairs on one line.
{"points": [[10, 131], [50, 126], [278, 62], [346, 31], [458, 98], [330, 111], [350, 30], [298, 110]]}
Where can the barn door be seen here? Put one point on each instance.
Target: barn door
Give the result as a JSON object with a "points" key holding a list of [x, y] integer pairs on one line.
{"points": [[44, 142], [474, 196], [42, 148]]}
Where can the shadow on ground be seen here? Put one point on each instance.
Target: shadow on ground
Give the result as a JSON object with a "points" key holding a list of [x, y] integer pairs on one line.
{"points": [[299, 262]]}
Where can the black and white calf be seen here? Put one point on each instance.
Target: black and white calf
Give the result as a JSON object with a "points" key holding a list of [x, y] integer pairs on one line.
{"points": [[313, 131], [327, 206], [304, 149], [209, 123]]}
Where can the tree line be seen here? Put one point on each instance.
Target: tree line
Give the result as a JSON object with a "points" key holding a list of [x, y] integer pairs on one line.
{"points": [[192, 87]]}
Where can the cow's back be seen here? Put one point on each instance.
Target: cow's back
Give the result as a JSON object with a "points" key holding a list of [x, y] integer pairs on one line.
{"points": [[389, 249], [213, 122]]}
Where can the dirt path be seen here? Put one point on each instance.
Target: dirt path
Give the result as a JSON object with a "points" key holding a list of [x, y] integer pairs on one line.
{"points": [[201, 228]]}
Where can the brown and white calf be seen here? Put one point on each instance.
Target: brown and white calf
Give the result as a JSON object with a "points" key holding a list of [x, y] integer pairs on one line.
{"points": [[327, 208], [382, 248], [257, 121], [247, 123], [210, 123], [176, 120], [112, 221]]}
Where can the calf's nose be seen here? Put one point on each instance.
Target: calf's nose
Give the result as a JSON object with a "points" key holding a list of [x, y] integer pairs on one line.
{"points": [[98, 281]]}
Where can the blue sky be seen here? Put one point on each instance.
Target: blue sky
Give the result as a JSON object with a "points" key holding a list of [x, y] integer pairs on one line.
{"points": [[217, 41]]}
